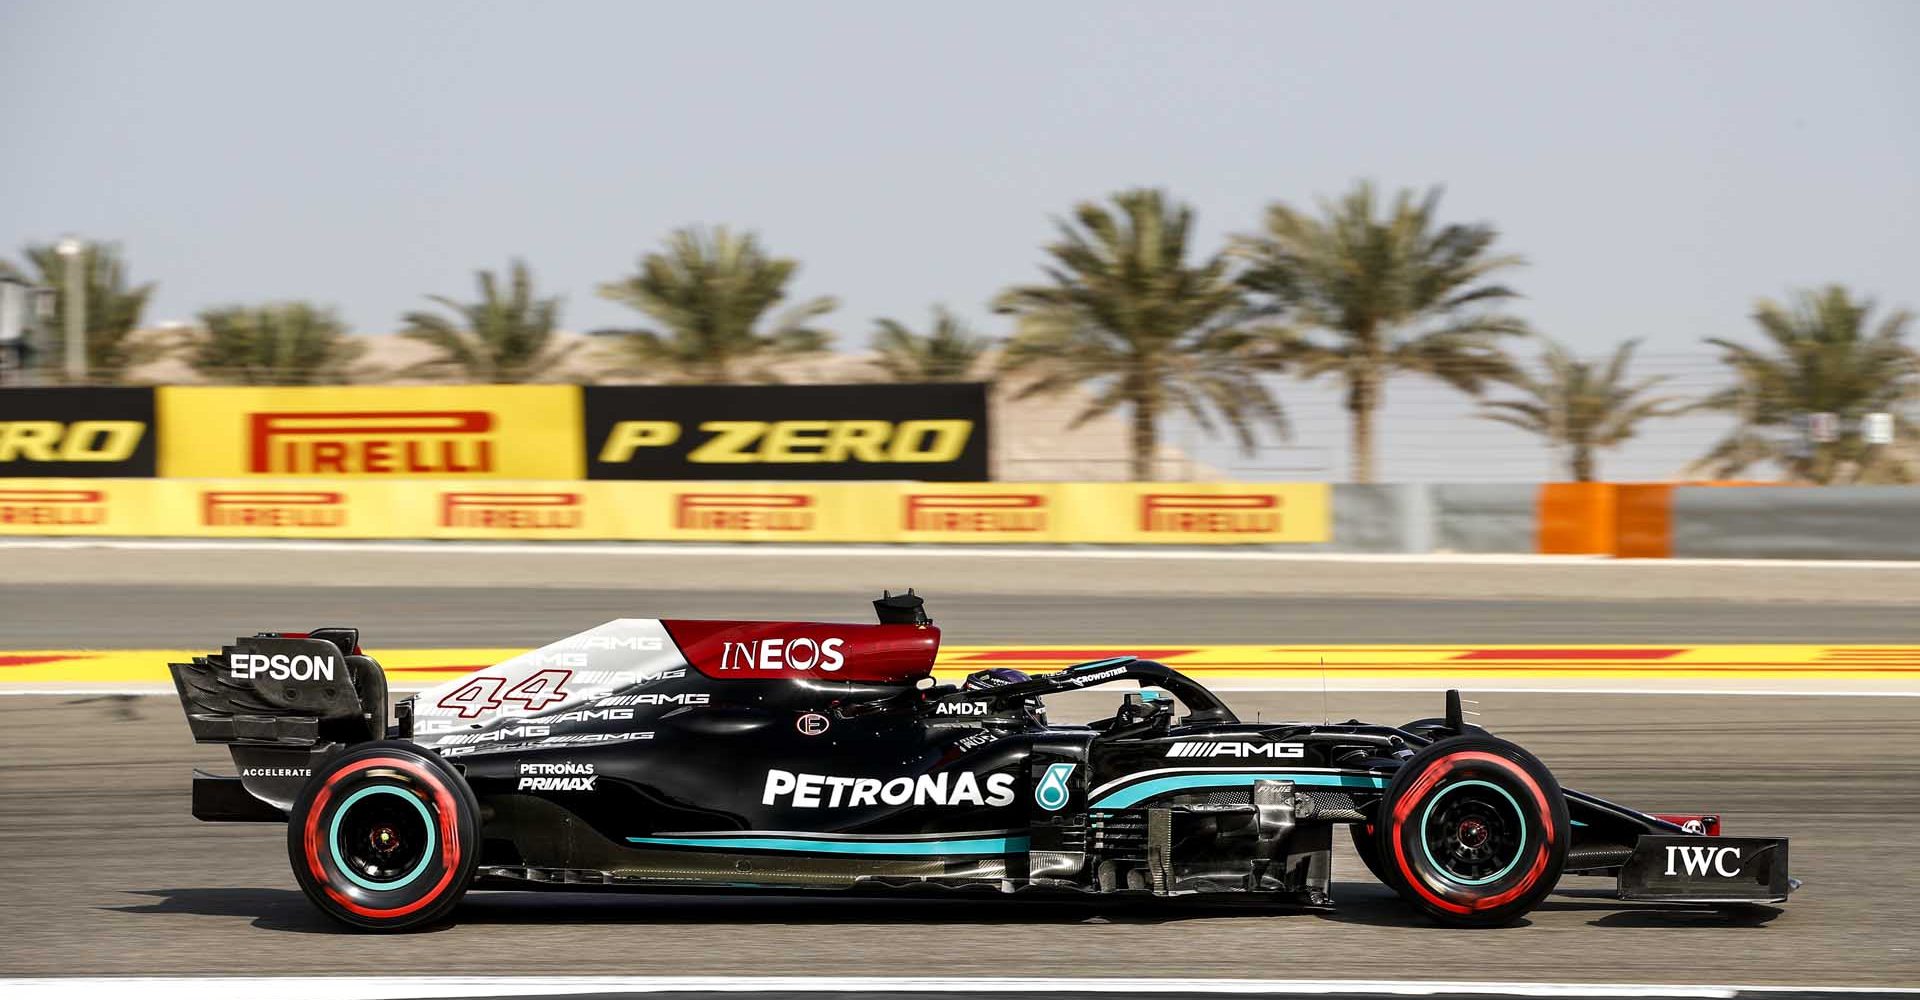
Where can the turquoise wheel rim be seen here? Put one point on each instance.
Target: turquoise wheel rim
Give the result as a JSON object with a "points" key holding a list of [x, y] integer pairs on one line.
{"points": [[426, 856], [1448, 873]]}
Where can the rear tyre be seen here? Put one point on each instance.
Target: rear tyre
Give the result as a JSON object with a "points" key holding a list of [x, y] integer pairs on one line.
{"points": [[385, 837], [1472, 831]]}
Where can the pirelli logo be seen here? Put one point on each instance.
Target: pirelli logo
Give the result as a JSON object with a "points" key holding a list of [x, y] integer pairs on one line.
{"points": [[976, 512], [273, 509], [52, 508], [1210, 513], [744, 511], [515, 511], [394, 442]]}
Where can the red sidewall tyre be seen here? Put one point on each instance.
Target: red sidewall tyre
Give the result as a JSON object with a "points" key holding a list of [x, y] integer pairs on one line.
{"points": [[385, 837], [1473, 831]]}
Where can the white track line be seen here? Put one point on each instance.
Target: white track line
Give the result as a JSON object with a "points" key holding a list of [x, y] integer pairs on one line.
{"points": [[915, 551], [382, 987]]}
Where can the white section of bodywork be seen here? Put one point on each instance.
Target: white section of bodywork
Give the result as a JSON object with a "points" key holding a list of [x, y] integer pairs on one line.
{"points": [[596, 663]]}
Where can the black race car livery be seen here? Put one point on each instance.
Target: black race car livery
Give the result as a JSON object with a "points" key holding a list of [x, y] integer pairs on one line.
{"points": [[659, 755]]}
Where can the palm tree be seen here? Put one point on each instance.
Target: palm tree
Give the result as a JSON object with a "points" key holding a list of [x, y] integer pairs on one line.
{"points": [[708, 292], [1826, 357], [1397, 294], [286, 343], [1582, 406], [507, 336], [113, 309], [1125, 313], [947, 353]]}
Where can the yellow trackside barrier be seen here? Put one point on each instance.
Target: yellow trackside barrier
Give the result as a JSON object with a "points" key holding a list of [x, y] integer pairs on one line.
{"points": [[76, 506], [372, 432], [1198, 512], [1173, 513]]}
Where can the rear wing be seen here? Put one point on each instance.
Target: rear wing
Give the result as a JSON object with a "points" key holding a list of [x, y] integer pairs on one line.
{"points": [[287, 689], [279, 702]]}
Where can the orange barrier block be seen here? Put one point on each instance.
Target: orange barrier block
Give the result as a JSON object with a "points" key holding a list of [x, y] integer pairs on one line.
{"points": [[1643, 520], [1575, 519]]}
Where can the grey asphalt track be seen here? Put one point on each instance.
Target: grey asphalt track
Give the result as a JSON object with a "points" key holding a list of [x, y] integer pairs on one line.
{"points": [[55, 616], [105, 872]]}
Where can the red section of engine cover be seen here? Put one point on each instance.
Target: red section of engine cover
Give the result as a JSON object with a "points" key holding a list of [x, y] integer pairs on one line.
{"points": [[887, 654], [1708, 823]]}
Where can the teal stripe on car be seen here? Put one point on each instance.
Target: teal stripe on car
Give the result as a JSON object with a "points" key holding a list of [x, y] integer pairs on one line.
{"points": [[1136, 794], [896, 848]]}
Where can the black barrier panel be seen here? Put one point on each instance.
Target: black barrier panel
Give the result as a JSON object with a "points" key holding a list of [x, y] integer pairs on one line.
{"points": [[923, 431], [77, 432]]}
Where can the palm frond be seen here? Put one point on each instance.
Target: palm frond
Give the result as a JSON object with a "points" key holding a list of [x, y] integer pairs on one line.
{"points": [[947, 352], [509, 334], [1388, 290], [1821, 354], [1125, 313], [709, 293], [288, 343], [114, 307], [1579, 404]]}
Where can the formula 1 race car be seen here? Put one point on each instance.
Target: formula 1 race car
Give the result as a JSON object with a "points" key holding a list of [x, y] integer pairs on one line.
{"points": [[712, 756]]}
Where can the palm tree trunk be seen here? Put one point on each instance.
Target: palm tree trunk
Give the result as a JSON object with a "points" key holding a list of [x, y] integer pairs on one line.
{"points": [[1582, 464], [1146, 438], [1363, 394]]}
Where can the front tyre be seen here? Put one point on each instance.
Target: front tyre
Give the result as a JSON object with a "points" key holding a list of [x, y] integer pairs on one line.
{"points": [[1473, 831], [385, 837]]}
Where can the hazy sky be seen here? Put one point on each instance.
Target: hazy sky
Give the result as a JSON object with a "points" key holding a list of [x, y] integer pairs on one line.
{"points": [[1660, 164]]}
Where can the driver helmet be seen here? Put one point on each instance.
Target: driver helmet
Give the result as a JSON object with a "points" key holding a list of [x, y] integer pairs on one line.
{"points": [[993, 677]]}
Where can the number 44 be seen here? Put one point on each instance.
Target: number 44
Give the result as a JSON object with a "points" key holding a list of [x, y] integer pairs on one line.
{"points": [[482, 694]]}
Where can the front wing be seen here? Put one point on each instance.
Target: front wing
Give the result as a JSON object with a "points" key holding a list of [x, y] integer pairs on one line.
{"points": [[1694, 869]]}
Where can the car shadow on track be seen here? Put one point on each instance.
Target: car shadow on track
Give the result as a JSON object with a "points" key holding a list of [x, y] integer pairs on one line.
{"points": [[288, 910], [722, 910], [1621, 913], [1680, 918], [1363, 903], [271, 909], [1373, 904]]}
